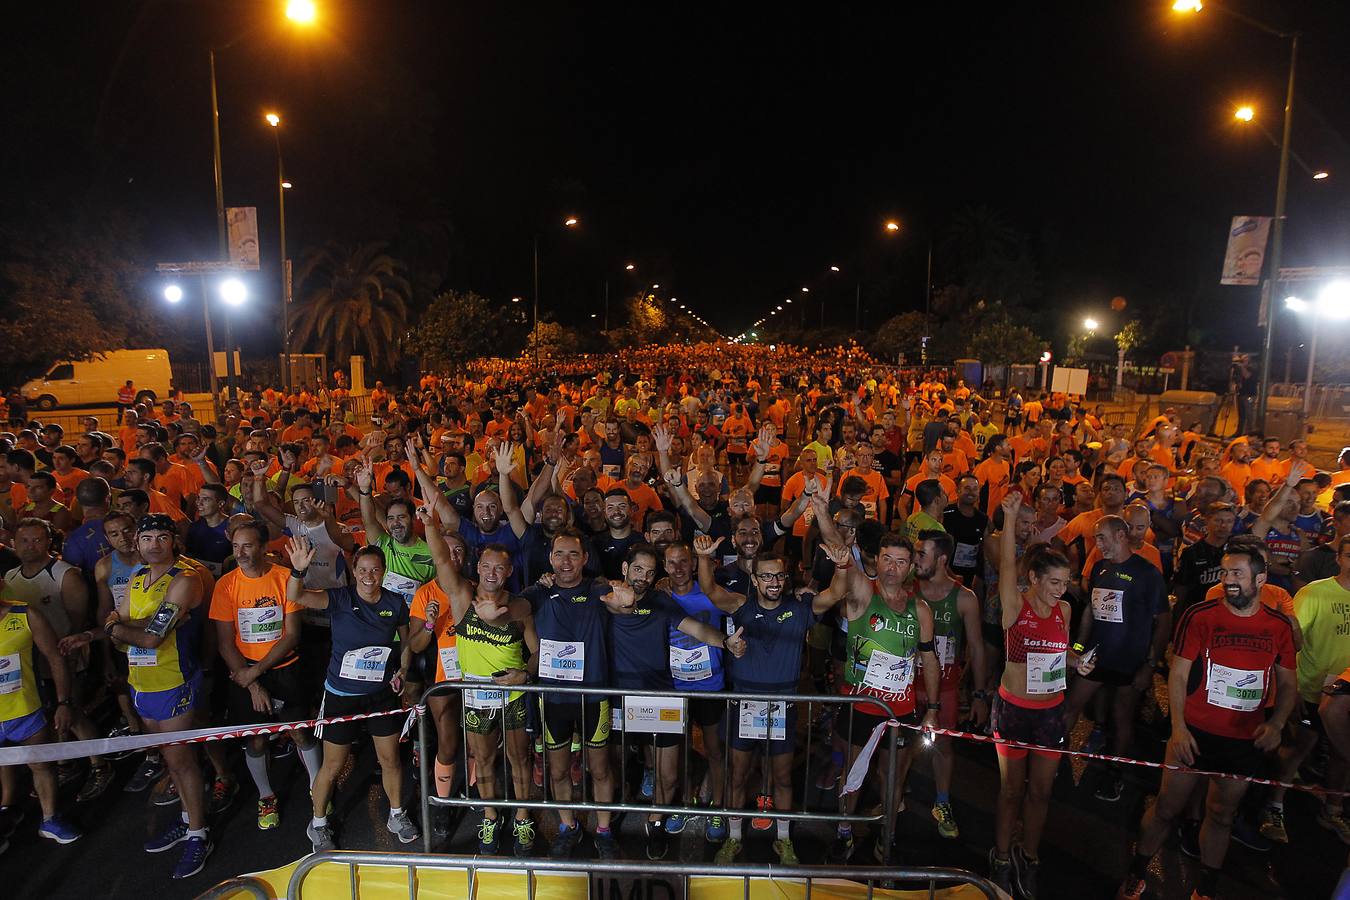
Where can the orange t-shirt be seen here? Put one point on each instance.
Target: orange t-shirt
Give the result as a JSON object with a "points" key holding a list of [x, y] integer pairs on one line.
{"points": [[67, 483], [877, 491], [955, 464], [948, 485], [996, 475], [1148, 552], [773, 466], [1238, 475], [175, 483], [644, 500], [160, 503], [792, 490], [447, 654], [1272, 470], [258, 608], [737, 429]]}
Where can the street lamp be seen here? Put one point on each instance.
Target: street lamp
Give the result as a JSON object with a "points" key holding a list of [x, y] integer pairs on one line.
{"points": [[274, 120], [1333, 302], [1244, 113], [233, 292], [301, 11], [1090, 324], [173, 293], [1281, 192], [892, 226]]}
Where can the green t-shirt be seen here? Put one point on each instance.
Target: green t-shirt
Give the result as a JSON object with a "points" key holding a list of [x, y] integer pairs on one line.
{"points": [[823, 452], [1323, 611], [407, 566], [920, 521]]}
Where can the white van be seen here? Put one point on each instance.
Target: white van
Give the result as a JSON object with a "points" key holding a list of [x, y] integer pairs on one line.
{"points": [[96, 381]]}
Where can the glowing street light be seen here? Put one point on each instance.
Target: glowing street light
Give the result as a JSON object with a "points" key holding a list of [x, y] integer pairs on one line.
{"points": [[1322, 175], [173, 293], [515, 299], [1090, 324], [302, 12], [273, 119], [630, 267], [1333, 301], [1187, 6], [1296, 304], [656, 287], [571, 221], [286, 185], [892, 226], [834, 268], [1244, 113], [233, 292], [806, 290]]}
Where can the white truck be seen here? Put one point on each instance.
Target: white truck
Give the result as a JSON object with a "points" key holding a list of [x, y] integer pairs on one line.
{"points": [[96, 381]]}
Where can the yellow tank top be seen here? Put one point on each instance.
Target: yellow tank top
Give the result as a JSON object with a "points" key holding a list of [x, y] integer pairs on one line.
{"points": [[171, 664], [18, 683]]}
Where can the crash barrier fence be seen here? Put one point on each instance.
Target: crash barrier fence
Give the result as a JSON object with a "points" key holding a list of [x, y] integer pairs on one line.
{"points": [[596, 870], [232, 888], [761, 718]]}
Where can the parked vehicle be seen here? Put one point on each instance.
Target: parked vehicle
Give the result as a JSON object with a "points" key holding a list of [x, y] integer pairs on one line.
{"points": [[95, 381]]}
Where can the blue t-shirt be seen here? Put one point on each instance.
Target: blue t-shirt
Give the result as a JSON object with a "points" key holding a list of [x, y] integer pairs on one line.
{"points": [[695, 677], [365, 641], [1126, 598], [612, 552], [572, 616], [773, 660], [640, 643], [475, 539], [209, 545], [86, 545]]}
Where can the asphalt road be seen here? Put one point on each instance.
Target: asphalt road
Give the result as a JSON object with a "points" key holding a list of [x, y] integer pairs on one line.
{"points": [[1085, 851]]}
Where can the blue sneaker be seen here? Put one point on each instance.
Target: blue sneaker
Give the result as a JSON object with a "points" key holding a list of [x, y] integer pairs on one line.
{"points": [[194, 857], [674, 823], [59, 830], [648, 784], [716, 830], [176, 834]]}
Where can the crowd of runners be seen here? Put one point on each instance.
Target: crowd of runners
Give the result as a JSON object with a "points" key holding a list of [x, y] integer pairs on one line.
{"points": [[729, 518]]}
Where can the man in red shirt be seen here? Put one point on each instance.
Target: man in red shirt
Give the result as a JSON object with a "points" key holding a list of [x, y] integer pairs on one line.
{"points": [[1220, 719]]}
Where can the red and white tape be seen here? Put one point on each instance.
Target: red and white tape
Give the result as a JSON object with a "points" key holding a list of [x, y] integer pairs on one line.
{"points": [[857, 773], [56, 752]]}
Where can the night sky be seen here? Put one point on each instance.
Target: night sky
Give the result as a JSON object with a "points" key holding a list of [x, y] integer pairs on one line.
{"points": [[732, 151]]}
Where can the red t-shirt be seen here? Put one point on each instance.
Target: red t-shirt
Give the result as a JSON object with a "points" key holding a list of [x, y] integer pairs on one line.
{"points": [[1233, 660]]}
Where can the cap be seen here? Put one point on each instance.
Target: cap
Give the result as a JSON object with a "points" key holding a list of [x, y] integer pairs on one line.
{"points": [[155, 522]]}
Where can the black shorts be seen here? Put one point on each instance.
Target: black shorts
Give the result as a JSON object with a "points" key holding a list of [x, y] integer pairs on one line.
{"points": [[855, 727], [563, 720], [1110, 677], [383, 700], [706, 711], [1310, 716], [288, 698], [993, 634], [1042, 726], [736, 457], [1232, 756], [769, 495]]}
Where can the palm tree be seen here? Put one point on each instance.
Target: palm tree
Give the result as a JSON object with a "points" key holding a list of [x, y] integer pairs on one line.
{"points": [[353, 300]]}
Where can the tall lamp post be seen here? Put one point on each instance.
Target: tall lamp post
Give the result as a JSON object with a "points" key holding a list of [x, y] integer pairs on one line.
{"points": [[1281, 191], [282, 184]]}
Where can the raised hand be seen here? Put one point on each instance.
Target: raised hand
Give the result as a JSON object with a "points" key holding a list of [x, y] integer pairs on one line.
{"points": [[1010, 505], [661, 437], [735, 644], [763, 444], [673, 477], [410, 449], [839, 554], [621, 598], [706, 545], [365, 477], [502, 456], [301, 551]]}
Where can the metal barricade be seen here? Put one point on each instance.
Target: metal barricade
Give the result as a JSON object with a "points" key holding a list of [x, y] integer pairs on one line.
{"points": [[233, 887], [429, 798], [932, 877]]}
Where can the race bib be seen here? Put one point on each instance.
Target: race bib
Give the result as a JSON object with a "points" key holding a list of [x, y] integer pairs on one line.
{"points": [[562, 660], [365, 664], [1108, 605], [142, 656], [450, 662], [691, 665], [480, 698], [966, 556], [761, 719], [611, 471], [869, 508], [946, 649], [402, 585], [261, 625], [1047, 672], [11, 674], [772, 469], [1242, 690], [889, 673]]}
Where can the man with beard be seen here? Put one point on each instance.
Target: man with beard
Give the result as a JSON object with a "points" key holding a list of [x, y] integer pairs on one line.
{"points": [[486, 527], [956, 630], [639, 660], [1228, 654], [619, 535], [775, 620], [967, 524], [1201, 563]]}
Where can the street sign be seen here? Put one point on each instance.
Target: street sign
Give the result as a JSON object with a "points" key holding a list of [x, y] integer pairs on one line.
{"points": [[1313, 273], [197, 267]]}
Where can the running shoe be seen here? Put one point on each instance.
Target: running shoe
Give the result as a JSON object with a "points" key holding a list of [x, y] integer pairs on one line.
{"points": [[841, 850], [675, 823], [1111, 789], [1026, 872], [727, 853], [658, 842], [523, 831], [223, 792], [1000, 871], [121, 729], [763, 803], [321, 837], [268, 816], [648, 783], [194, 857], [148, 772], [175, 834], [166, 794], [946, 820], [605, 845], [59, 830], [489, 842], [96, 783], [1335, 823], [715, 831], [1272, 825], [399, 824], [787, 854], [565, 844]]}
